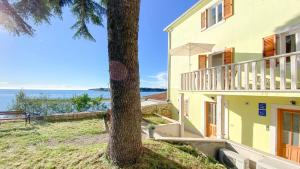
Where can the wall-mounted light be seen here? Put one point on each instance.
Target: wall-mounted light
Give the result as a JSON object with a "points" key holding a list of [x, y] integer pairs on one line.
{"points": [[293, 102]]}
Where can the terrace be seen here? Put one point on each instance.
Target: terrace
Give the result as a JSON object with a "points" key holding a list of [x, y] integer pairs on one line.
{"points": [[279, 73]]}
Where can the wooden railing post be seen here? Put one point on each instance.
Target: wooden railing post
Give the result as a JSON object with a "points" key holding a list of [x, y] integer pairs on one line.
{"points": [[226, 77], [246, 80], [239, 75], [201, 80], [181, 81], [187, 81], [220, 78], [209, 79], [254, 79], [282, 73], [272, 74], [213, 78], [232, 77], [294, 73], [196, 80], [204, 80], [263, 75], [193, 80]]}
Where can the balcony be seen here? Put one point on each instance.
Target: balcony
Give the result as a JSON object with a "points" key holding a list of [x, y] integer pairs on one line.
{"points": [[277, 73]]}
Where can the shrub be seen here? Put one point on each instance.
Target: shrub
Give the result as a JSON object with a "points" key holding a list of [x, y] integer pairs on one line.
{"points": [[43, 105]]}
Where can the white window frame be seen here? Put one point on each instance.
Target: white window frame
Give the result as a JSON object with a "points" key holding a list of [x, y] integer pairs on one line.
{"points": [[211, 55], [282, 42], [216, 6]]}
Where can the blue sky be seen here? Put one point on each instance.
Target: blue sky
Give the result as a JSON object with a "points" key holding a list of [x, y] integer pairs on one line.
{"points": [[52, 59]]}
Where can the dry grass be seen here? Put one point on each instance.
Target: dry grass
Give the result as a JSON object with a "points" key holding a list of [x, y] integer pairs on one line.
{"points": [[78, 144]]}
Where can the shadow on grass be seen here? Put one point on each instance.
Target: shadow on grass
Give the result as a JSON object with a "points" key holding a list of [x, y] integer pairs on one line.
{"points": [[192, 151], [17, 131], [151, 159]]}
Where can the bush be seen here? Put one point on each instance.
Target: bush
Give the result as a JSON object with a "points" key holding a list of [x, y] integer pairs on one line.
{"points": [[43, 105]]}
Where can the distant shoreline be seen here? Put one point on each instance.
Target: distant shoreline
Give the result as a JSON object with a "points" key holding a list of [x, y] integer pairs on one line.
{"points": [[142, 89]]}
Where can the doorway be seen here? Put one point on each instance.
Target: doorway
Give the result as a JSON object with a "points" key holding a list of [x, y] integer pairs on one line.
{"points": [[211, 119], [288, 138]]}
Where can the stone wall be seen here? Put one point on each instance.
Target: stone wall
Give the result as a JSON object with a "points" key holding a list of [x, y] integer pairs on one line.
{"points": [[72, 116], [160, 108]]}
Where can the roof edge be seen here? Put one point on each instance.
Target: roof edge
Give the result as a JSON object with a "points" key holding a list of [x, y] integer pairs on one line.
{"points": [[185, 15]]}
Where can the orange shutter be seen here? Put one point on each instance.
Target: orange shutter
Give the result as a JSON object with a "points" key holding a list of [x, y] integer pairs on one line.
{"points": [[228, 8], [202, 61], [269, 46], [204, 20], [228, 55]]}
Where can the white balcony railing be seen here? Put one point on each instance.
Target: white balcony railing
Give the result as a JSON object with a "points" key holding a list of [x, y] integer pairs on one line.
{"points": [[277, 73]]}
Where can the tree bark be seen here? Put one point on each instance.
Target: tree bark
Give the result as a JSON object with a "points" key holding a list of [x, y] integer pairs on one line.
{"points": [[125, 143]]}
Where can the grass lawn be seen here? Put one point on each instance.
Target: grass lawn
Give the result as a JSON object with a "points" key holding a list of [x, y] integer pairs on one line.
{"points": [[154, 119], [78, 144]]}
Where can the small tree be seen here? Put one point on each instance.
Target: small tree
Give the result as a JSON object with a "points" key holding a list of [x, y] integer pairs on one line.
{"points": [[20, 102], [82, 103]]}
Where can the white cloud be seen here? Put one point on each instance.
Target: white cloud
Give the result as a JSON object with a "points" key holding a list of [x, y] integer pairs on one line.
{"points": [[159, 80]]}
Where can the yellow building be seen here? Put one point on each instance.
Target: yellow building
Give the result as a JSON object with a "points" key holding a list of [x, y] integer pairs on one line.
{"points": [[234, 72]]}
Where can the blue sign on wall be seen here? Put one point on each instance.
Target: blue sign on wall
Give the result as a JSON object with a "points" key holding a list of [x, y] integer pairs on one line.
{"points": [[262, 109], [262, 112], [262, 106]]}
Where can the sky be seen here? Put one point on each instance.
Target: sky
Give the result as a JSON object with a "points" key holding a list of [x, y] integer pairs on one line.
{"points": [[52, 59]]}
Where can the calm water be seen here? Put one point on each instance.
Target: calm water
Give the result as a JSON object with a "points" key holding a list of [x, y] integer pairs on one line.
{"points": [[7, 96]]}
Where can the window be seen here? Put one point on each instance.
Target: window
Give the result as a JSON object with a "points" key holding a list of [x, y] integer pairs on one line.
{"points": [[215, 14], [220, 12], [212, 16], [290, 43]]}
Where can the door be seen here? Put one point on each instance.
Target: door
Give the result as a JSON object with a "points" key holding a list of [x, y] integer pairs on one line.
{"points": [[288, 134], [211, 119]]}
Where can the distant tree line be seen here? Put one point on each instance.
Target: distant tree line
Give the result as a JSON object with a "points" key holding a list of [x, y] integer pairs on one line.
{"points": [[142, 89]]}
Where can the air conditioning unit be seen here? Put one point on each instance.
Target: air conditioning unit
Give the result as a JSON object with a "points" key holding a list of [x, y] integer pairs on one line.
{"points": [[232, 159]]}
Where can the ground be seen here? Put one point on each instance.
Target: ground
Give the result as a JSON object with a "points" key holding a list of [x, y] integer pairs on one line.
{"points": [[81, 144]]}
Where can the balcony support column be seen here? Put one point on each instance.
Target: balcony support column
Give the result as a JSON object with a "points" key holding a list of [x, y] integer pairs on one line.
{"points": [[181, 114], [220, 117]]}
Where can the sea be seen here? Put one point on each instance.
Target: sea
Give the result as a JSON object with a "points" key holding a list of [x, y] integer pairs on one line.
{"points": [[7, 96]]}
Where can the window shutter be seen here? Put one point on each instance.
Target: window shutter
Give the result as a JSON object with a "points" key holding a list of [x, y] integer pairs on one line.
{"points": [[202, 61], [228, 55], [269, 46], [204, 20], [228, 8]]}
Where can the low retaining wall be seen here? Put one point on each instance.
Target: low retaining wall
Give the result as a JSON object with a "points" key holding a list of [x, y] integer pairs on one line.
{"points": [[209, 147], [162, 108], [168, 130], [72, 116]]}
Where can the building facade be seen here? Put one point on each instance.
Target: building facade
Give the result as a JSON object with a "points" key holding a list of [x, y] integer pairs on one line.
{"points": [[234, 72]]}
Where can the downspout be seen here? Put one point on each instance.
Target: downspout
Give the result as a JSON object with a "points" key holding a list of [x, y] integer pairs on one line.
{"points": [[169, 66]]}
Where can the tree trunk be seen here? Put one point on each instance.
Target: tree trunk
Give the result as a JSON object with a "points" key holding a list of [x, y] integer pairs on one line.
{"points": [[125, 143]]}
